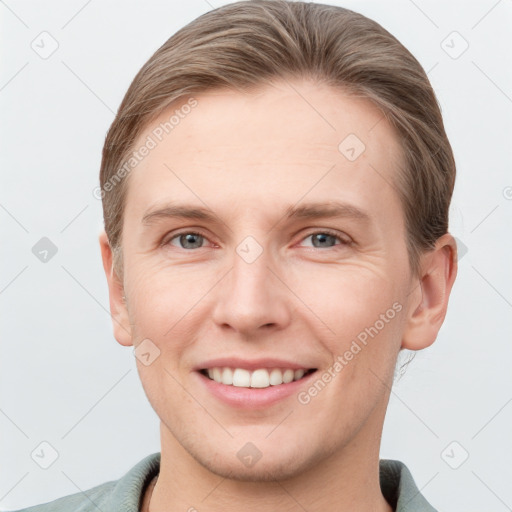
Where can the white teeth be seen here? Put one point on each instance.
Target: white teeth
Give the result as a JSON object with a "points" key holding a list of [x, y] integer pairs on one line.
{"points": [[288, 375], [227, 376], [260, 378], [217, 374], [241, 378], [276, 377]]}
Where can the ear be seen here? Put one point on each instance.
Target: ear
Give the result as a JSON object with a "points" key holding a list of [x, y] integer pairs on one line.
{"points": [[118, 308], [429, 297]]}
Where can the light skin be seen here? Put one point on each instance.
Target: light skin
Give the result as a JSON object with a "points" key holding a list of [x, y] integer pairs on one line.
{"points": [[247, 158]]}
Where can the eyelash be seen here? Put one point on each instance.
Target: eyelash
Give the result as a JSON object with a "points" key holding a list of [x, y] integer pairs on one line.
{"points": [[323, 232]]}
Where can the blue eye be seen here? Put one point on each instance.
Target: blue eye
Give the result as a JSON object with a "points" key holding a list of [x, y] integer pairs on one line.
{"points": [[188, 240], [319, 240], [325, 239]]}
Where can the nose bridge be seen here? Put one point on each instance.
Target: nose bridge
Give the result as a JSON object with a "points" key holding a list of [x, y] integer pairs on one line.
{"points": [[250, 276], [251, 296]]}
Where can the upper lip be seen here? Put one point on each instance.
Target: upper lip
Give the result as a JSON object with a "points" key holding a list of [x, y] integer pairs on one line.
{"points": [[253, 364]]}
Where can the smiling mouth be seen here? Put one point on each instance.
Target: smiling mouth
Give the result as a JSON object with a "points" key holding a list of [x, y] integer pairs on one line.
{"points": [[260, 378]]}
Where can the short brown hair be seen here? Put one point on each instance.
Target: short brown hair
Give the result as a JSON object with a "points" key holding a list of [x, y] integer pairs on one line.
{"points": [[249, 43]]}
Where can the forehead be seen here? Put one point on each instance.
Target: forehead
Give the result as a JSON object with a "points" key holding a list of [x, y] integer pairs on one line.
{"points": [[265, 148]]}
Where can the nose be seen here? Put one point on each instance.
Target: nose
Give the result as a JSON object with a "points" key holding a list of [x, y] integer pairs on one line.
{"points": [[251, 299]]}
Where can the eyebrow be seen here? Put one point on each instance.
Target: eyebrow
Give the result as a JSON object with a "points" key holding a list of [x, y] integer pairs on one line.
{"points": [[310, 211], [330, 209]]}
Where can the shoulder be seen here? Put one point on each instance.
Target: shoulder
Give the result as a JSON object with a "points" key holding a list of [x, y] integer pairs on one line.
{"points": [[86, 501], [399, 488], [123, 494]]}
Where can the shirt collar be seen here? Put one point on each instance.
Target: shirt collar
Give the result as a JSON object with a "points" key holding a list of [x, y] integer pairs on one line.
{"points": [[396, 481]]}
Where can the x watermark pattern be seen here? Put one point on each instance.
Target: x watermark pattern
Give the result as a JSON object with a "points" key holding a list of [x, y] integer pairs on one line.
{"points": [[150, 143], [44, 246]]}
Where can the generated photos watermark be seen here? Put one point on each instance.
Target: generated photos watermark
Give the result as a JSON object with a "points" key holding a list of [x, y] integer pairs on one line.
{"points": [[157, 135], [342, 360]]}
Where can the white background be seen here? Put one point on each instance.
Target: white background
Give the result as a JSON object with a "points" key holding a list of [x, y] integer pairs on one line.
{"points": [[63, 377]]}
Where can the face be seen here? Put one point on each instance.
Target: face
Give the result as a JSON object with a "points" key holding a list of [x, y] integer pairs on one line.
{"points": [[263, 240]]}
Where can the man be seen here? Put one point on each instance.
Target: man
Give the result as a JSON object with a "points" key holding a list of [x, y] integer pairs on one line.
{"points": [[275, 187]]}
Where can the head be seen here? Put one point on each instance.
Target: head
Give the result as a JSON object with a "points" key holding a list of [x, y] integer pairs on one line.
{"points": [[276, 184]]}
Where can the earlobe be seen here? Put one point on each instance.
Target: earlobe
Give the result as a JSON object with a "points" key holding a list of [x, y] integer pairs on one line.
{"points": [[118, 308], [429, 301]]}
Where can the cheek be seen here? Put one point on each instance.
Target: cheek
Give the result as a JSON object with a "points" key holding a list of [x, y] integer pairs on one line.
{"points": [[363, 348], [161, 384], [348, 300], [161, 297], [361, 318]]}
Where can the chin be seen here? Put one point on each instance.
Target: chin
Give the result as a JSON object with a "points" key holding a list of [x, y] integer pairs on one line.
{"points": [[262, 471], [272, 464]]}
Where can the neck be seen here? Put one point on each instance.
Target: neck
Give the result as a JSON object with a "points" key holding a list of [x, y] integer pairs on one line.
{"points": [[347, 480]]}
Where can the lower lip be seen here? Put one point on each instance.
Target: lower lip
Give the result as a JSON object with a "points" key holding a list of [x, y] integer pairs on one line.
{"points": [[253, 398]]}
